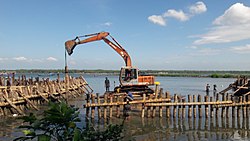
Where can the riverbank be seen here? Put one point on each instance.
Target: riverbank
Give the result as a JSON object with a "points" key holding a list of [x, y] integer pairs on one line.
{"points": [[167, 73]]}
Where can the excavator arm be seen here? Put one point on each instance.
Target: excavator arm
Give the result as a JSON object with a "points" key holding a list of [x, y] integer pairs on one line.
{"points": [[71, 44]]}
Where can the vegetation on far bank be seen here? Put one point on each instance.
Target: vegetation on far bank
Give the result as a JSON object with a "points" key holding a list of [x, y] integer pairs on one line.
{"points": [[169, 73]]}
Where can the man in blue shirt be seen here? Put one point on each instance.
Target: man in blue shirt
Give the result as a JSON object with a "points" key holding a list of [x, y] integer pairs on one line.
{"points": [[130, 96]]}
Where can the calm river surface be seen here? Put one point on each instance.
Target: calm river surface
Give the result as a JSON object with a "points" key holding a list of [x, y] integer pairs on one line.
{"points": [[151, 129]]}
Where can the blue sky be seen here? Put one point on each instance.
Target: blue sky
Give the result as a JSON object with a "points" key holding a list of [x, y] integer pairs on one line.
{"points": [[164, 34]]}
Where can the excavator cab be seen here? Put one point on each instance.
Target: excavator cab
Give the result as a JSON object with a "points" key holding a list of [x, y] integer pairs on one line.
{"points": [[131, 81], [128, 76]]}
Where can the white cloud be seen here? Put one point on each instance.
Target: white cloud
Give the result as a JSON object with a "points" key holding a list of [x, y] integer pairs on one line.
{"points": [[233, 25], [225, 34], [157, 19], [107, 24], [198, 8], [4, 59], [20, 58], [241, 49], [192, 47], [206, 52], [179, 15], [236, 14], [51, 59]]}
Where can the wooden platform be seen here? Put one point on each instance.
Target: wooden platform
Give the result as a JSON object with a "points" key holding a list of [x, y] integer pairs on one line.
{"points": [[16, 95]]}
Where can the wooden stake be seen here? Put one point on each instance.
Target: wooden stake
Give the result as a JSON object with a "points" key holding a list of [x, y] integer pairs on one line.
{"points": [[200, 109], [179, 107], [233, 107], [105, 109], [189, 107], [117, 107], [227, 108], [238, 108], [110, 107], [217, 109], [206, 106], [183, 109], [194, 106], [223, 108], [92, 108], [143, 107], [98, 108], [167, 107], [174, 110]]}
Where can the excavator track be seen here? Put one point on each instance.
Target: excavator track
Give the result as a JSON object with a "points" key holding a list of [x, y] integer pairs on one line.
{"points": [[140, 89]]}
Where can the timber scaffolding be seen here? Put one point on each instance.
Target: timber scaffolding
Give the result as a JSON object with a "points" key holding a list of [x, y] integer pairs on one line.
{"points": [[17, 95], [160, 104], [240, 87]]}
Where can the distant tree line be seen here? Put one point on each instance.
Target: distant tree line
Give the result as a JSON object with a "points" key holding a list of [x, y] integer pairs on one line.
{"points": [[169, 73]]}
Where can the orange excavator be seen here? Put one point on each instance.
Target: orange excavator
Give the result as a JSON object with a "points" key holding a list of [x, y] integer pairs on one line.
{"points": [[129, 78]]}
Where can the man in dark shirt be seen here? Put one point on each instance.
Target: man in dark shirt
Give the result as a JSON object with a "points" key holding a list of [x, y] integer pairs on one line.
{"points": [[107, 84]]}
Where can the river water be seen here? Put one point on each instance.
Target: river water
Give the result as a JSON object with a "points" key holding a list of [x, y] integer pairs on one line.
{"points": [[151, 129]]}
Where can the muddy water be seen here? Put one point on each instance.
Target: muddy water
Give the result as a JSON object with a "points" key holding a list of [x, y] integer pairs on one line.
{"points": [[141, 129]]}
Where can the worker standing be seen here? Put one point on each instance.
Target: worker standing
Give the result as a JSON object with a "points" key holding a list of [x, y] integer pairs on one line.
{"points": [[215, 87], [107, 84], [207, 88], [127, 107]]}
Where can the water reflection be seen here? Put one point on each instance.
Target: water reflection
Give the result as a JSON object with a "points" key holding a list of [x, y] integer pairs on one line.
{"points": [[148, 129], [10, 125]]}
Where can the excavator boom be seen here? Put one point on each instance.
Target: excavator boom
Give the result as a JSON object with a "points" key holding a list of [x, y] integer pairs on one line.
{"points": [[71, 44]]}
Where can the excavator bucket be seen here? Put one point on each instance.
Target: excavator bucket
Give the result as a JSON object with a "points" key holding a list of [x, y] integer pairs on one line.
{"points": [[69, 46]]}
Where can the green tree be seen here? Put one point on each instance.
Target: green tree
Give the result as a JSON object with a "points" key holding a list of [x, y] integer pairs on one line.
{"points": [[58, 123]]}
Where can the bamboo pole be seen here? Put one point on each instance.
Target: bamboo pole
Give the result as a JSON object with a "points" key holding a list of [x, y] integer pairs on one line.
{"points": [[174, 110], [223, 108], [227, 108], [167, 107], [239, 108], [194, 106], [99, 108], [143, 106], [150, 103], [105, 109], [206, 106], [88, 102], [217, 109], [233, 108], [117, 107], [183, 109], [199, 106], [247, 107], [160, 107], [110, 107], [179, 107], [244, 107], [92, 108], [149, 108], [189, 107]]}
